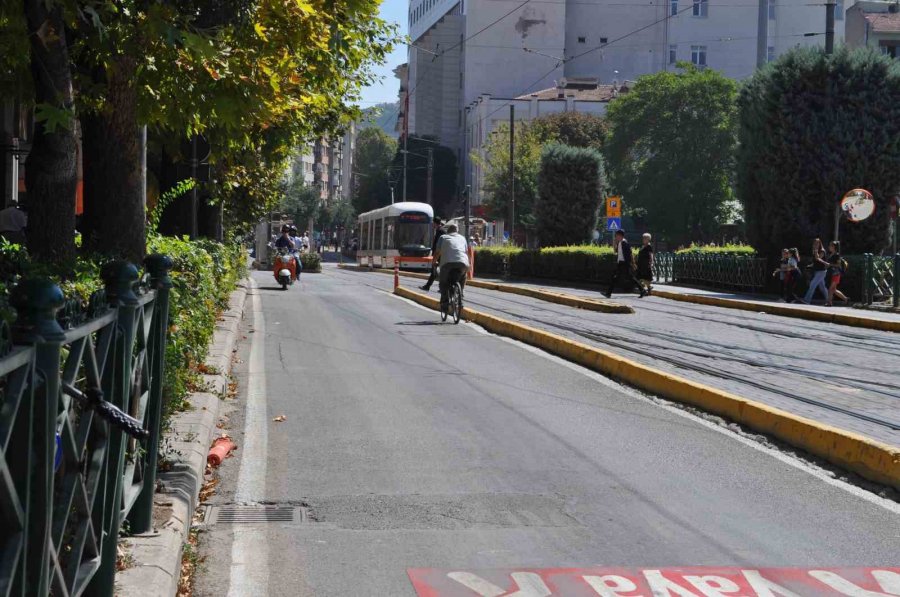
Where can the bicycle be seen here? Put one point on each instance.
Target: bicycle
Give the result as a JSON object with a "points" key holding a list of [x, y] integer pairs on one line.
{"points": [[454, 299]]}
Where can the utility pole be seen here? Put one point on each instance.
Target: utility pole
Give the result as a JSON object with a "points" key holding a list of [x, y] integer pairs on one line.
{"points": [[430, 181], [829, 26], [405, 157], [512, 176], [469, 210], [762, 34], [195, 200]]}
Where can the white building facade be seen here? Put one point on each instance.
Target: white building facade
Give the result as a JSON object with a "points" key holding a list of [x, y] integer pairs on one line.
{"points": [[466, 50]]}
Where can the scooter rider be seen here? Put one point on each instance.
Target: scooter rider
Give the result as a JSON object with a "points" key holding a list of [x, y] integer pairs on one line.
{"points": [[296, 250]]}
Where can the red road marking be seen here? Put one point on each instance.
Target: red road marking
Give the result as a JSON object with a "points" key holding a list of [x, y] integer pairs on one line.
{"points": [[657, 582]]}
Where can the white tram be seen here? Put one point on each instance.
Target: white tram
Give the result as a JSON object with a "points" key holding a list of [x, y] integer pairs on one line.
{"points": [[401, 229]]}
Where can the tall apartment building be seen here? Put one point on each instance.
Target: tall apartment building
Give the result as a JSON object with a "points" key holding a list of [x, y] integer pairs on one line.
{"points": [[327, 164], [464, 50]]}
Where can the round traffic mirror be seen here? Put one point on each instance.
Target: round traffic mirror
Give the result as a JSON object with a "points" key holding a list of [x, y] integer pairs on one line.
{"points": [[858, 205]]}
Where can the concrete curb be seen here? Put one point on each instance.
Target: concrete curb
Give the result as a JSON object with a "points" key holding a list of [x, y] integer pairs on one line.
{"points": [[157, 556], [866, 457], [837, 318], [540, 294]]}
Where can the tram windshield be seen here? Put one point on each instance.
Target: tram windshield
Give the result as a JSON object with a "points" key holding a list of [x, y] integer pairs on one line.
{"points": [[413, 233]]}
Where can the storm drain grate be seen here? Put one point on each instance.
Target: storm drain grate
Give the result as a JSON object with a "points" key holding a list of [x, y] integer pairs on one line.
{"points": [[249, 514]]}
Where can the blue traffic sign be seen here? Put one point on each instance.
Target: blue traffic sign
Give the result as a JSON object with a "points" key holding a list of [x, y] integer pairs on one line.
{"points": [[613, 224]]}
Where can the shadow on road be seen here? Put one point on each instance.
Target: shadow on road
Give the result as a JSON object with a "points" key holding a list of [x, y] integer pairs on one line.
{"points": [[419, 323]]}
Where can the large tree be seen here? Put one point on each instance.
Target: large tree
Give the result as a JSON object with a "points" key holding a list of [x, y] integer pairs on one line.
{"points": [[232, 70], [372, 160], [576, 129], [813, 127], [50, 169], [571, 185], [444, 196], [671, 150]]}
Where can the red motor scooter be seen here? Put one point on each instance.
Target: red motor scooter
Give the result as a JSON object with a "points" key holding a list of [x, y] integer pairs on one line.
{"points": [[284, 268]]}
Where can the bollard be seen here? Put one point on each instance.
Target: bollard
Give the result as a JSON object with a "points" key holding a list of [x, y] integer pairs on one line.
{"points": [[396, 273], [471, 274]]}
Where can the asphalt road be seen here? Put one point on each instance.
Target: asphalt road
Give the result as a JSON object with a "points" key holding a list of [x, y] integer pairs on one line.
{"points": [[408, 444], [848, 377]]}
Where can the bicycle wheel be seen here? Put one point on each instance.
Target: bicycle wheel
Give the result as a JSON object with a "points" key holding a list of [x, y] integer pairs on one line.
{"points": [[456, 301]]}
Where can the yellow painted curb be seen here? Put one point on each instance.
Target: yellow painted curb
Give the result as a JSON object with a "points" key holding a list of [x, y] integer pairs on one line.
{"points": [[868, 458], [540, 294], [837, 318]]}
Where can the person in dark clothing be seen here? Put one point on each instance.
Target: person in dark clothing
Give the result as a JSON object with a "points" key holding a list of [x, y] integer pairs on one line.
{"points": [[645, 263], [623, 265], [439, 231]]}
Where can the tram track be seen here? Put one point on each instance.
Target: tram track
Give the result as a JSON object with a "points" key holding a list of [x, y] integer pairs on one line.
{"points": [[603, 337]]}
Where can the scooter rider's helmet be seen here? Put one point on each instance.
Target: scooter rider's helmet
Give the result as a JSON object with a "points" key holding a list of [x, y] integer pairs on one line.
{"points": [[285, 228]]}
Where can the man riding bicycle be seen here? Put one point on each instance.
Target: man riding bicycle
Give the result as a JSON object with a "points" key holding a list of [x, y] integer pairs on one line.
{"points": [[453, 256]]}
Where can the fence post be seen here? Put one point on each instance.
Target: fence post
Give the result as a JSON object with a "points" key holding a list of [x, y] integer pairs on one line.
{"points": [[396, 273], [866, 293], [37, 302], [119, 277], [141, 517], [896, 281]]}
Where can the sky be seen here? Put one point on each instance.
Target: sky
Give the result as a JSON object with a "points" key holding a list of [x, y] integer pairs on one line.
{"points": [[393, 11]]}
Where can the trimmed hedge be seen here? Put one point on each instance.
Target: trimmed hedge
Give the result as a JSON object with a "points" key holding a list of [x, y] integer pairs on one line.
{"points": [[203, 275], [738, 249], [580, 263]]}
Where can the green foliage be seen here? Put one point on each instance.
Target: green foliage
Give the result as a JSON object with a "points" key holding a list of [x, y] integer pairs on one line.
{"points": [[203, 275], [570, 184], [670, 150], [372, 160], [576, 129], [311, 262], [727, 249], [577, 263], [444, 199], [165, 199], [813, 127], [302, 203]]}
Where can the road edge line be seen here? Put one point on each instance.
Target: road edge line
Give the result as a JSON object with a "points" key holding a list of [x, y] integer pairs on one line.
{"points": [[559, 298], [866, 457], [836, 318]]}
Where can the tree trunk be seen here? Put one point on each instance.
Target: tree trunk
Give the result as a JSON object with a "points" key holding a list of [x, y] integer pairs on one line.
{"points": [[50, 170], [114, 221]]}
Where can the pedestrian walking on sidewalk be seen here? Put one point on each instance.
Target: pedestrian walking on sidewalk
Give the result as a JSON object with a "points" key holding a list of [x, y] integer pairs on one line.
{"points": [[624, 265], [836, 267], [820, 270], [784, 274], [439, 231], [645, 263]]}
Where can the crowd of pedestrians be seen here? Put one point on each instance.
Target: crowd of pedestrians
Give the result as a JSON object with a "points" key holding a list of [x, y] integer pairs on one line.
{"points": [[825, 270], [826, 267]]}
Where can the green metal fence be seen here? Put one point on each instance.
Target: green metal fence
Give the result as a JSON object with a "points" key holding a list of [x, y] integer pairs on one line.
{"points": [[868, 279], [80, 409], [732, 272]]}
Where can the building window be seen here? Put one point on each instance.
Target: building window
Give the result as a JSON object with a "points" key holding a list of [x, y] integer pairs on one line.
{"points": [[698, 55], [673, 54], [582, 40], [603, 40], [674, 7], [839, 10], [771, 9], [890, 50], [701, 8], [770, 53]]}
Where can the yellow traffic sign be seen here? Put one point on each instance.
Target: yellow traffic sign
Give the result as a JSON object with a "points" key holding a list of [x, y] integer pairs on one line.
{"points": [[614, 207]]}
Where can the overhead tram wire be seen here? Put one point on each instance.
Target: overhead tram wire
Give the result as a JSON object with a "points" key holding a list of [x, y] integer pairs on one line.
{"points": [[459, 43]]}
